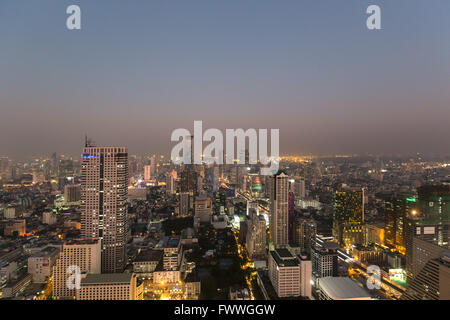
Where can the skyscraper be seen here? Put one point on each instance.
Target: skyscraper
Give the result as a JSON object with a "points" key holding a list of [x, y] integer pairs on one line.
{"points": [[279, 215], [256, 235], [348, 216], [397, 209], [104, 191], [431, 283]]}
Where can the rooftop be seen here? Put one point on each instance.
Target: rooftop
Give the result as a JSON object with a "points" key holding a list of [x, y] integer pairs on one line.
{"points": [[343, 288], [107, 278], [149, 255], [283, 258]]}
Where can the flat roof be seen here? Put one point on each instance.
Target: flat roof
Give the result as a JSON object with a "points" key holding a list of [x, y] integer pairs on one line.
{"points": [[107, 278], [47, 252], [343, 288], [286, 260], [149, 255]]}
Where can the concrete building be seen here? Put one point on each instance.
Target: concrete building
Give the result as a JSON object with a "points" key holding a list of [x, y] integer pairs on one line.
{"points": [[279, 211], [284, 273], [432, 282], [72, 193], [49, 218], [256, 236], [109, 286], [41, 263], [203, 209], [84, 254], [324, 258], [305, 277], [9, 212], [348, 216], [104, 191], [15, 228]]}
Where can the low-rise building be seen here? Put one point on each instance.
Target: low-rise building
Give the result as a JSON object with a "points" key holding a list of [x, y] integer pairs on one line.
{"points": [[109, 286], [341, 288]]}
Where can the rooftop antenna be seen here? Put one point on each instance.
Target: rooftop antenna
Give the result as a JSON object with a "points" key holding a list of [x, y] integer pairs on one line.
{"points": [[88, 142]]}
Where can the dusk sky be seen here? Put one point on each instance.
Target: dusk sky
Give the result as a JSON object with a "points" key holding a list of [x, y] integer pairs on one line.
{"points": [[137, 70]]}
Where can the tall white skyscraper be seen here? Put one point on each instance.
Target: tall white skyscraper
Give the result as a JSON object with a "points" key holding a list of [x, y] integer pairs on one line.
{"points": [[104, 192], [278, 220]]}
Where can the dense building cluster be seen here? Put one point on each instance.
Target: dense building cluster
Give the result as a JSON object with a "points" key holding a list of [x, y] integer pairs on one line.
{"points": [[114, 226]]}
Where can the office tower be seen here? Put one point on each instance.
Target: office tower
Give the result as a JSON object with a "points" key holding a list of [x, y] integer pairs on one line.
{"points": [[147, 173], [284, 273], [184, 203], [348, 216], [189, 181], [324, 258], [432, 282], [429, 222], [170, 183], [374, 234], [397, 208], [104, 191], [84, 254], [153, 166], [216, 178], [291, 216], [424, 251], [278, 225], [66, 168], [299, 189], [203, 209], [109, 286], [72, 193], [305, 276], [4, 165], [425, 230], [304, 231], [256, 235]]}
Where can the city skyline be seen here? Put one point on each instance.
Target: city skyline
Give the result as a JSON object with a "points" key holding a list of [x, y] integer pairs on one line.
{"points": [[140, 71]]}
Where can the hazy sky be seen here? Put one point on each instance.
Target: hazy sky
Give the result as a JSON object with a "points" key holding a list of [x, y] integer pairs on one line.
{"points": [[139, 69]]}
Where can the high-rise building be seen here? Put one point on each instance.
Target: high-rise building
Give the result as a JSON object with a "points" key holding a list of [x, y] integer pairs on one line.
{"points": [[291, 216], [184, 204], [299, 189], [432, 281], [397, 208], [256, 235], [147, 173], [170, 183], [304, 231], [83, 256], [72, 193], [104, 191], [189, 180], [348, 216], [203, 208], [279, 214], [284, 273], [428, 221], [324, 257]]}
